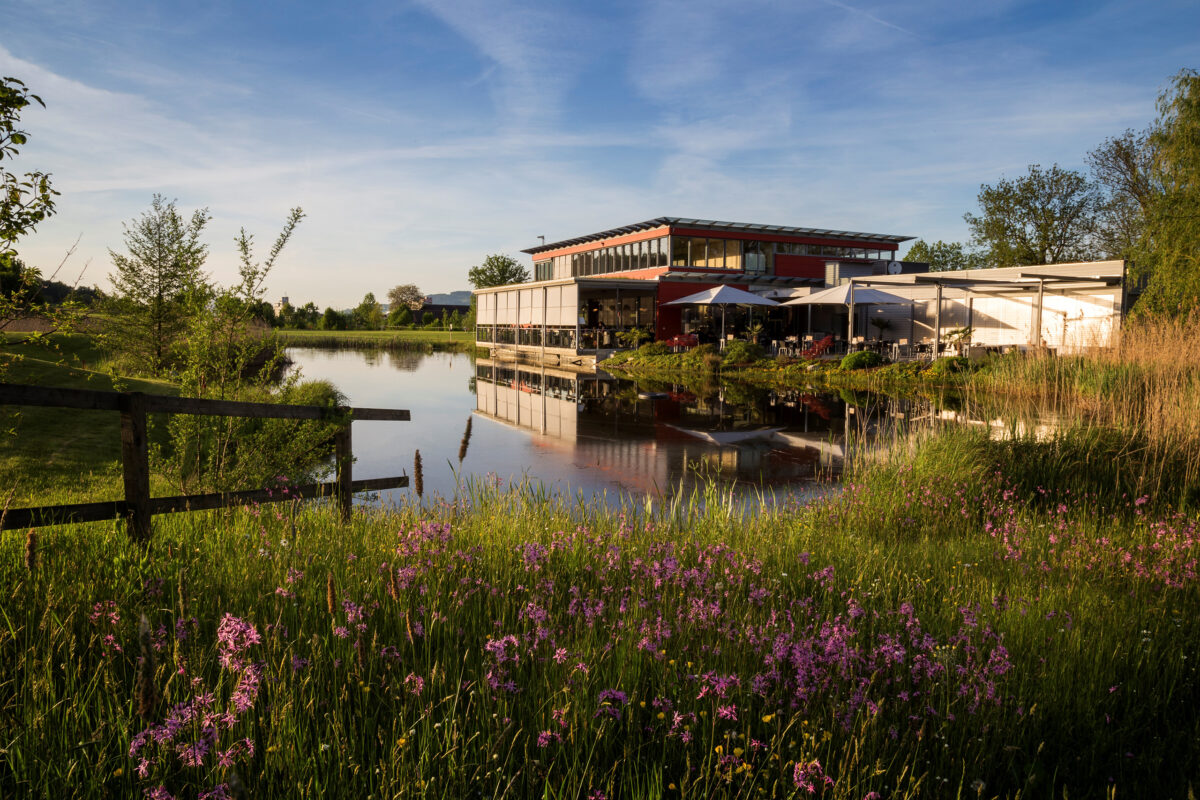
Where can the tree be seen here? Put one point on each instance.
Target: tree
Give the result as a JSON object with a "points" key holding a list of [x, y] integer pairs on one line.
{"points": [[1045, 217], [945, 256], [153, 281], [400, 317], [1169, 253], [497, 270], [229, 353], [1122, 168], [367, 315], [24, 200], [333, 320], [455, 320], [406, 295]]}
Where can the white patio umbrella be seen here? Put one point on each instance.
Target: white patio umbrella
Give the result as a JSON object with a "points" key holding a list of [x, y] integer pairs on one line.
{"points": [[722, 296], [849, 295]]}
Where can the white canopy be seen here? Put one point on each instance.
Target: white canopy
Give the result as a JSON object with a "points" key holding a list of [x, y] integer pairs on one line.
{"points": [[840, 296], [722, 296]]}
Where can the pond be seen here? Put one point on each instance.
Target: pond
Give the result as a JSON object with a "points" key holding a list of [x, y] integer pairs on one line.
{"points": [[594, 434]]}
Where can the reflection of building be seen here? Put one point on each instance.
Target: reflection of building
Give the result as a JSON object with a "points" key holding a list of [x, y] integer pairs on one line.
{"points": [[588, 289], [652, 444]]}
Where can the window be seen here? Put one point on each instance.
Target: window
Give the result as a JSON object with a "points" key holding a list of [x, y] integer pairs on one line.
{"points": [[679, 251], [733, 254]]}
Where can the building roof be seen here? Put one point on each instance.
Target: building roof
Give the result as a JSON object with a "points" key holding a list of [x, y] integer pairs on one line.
{"points": [[716, 225]]}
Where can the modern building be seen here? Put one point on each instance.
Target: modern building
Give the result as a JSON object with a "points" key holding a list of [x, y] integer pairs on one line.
{"points": [[588, 289]]}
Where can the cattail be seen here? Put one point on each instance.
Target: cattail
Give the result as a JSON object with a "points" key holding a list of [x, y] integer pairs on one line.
{"points": [[418, 475], [147, 696], [466, 441], [330, 595], [31, 550]]}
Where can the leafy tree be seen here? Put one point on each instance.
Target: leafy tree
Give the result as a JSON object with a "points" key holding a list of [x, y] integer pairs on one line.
{"points": [[497, 270], [1169, 254], [1047, 216], [153, 282], [400, 317], [333, 320], [1123, 170], [367, 315], [230, 353], [945, 256], [455, 320], [24, 200], [406, 295]]}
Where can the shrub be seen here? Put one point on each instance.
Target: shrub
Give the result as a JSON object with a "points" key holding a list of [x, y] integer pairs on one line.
{"points": [[654, 349], [864, 359], [739, 352], [952, 365]]}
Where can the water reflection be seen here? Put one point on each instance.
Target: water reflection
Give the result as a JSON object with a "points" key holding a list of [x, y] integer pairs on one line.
{"points": [[661, 437], [593, 433]]}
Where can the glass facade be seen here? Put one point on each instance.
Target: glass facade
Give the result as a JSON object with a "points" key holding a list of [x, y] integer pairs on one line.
{"points": [[755, 257]]}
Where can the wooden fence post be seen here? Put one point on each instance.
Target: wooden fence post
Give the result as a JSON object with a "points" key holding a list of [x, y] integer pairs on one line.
{"points": [[344, 456], [135, 460]]}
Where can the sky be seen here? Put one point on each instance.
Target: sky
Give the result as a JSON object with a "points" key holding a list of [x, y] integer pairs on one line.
{"points": [[420, 136]]}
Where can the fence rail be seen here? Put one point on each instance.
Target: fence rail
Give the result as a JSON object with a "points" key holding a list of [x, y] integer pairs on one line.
{"points": [[138, 506]]}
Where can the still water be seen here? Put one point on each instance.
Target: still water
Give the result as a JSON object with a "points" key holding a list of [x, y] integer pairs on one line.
{"points": [[590, 433]]}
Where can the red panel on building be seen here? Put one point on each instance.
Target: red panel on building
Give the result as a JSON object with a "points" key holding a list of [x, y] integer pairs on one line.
{"points": [[670, 318], [800, 266]]}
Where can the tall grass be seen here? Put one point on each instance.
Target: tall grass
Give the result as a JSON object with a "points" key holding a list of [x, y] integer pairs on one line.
{"points": [[1147, 387], [915, 636]]}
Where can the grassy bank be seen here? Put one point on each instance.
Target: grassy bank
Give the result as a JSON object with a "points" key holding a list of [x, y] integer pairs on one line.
{"points": [[43, 450], [399, 339], [941, 629]]}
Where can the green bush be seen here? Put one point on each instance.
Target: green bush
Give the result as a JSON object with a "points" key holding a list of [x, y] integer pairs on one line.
{"points": [[864, 359], [952, 365], [739, 352], [653, 349]]}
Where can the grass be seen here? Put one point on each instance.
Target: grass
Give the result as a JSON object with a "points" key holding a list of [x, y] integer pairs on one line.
{"points": [[937, 630], [48, 448], [397, 338]]}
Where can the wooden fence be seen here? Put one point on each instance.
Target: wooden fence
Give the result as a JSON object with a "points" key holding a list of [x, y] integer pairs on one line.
{"points": [[138, 506]]}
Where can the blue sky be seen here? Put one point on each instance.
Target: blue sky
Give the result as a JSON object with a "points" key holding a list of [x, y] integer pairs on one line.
{"points": [[421, 136]]}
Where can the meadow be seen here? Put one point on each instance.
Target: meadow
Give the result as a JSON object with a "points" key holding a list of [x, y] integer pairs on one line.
{"points": [[949, 625]]}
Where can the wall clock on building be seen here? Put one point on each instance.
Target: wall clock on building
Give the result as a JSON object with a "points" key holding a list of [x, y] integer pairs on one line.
{"points": [[893, 268]]}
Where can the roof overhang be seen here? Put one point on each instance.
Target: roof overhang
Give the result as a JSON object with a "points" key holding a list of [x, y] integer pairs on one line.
{"points": [[716, 225]]}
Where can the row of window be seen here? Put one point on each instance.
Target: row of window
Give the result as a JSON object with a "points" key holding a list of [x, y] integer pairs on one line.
{"points": [[692, 251], [550, 386], [529, 337]]}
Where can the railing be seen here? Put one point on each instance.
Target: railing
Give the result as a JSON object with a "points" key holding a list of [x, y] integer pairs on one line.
{"points": [[138, 506]]}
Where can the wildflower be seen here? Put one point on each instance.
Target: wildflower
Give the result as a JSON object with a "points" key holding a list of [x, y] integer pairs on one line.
{"points": [[158, 793], [547, 738]]}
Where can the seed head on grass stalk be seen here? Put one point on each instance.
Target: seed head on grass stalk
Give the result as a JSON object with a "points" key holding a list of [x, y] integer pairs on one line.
{"points": [[330, 595], [466, 442], [31, 543], [418, 475]]}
